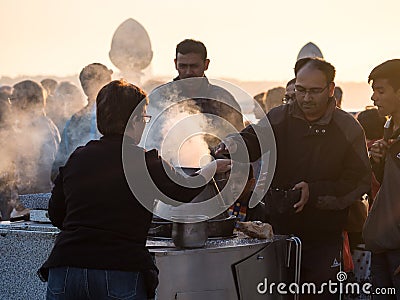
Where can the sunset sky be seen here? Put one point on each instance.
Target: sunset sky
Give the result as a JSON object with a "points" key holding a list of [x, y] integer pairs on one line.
{"points": [[247, 40]]}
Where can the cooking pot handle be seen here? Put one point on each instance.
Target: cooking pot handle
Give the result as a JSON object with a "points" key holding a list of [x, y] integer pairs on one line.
{"points": [[155, 230]]}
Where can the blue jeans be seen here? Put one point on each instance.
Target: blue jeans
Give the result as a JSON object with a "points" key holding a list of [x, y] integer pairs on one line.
{"points": [[383, 266], [78, 284]]}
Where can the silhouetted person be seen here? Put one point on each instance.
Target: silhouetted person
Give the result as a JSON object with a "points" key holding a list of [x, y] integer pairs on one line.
{"points": [[5, 103], [5, 92], [274, 97], [81, 128], [49, 85], [290, 93], [338, 94], [260, 109], [8, 179], [67, 100], [36, 138]]}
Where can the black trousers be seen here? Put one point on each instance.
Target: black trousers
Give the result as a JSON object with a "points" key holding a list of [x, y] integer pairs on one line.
{"points": [[321, 262]]}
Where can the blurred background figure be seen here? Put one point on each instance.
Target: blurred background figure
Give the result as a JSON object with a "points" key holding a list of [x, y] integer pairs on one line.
{"points": [[8, 189], [50, 86], [267, 100], [373, 124], [36, 138], [338, 94], [152, 84], [274, 97], [290, 93], [82, 127], [5, 92], [67, 100], [260, 110], [5, 103]]}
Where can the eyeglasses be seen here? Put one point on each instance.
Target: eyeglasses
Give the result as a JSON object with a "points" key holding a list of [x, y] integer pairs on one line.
{"points": [[288, 98], [146, 118], [313, 91]]}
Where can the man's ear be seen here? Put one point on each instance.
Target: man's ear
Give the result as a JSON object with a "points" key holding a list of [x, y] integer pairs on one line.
{"points": [[331, 89], [398, 94], [206, 63], [176, 67]]}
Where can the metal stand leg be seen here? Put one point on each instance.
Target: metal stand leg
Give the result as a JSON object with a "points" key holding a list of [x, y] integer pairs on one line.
{"points": [[297, 267]]}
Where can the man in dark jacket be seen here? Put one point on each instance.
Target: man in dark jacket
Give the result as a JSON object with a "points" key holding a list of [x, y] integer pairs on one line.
{"points": [[81, 128], [191, 93], [191, 62], [322, 153]]}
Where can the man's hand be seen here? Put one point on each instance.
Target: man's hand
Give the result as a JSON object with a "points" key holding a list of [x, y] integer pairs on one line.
{"points": [[226, 147], [223, 165], [378, 150], [216, 166], [305, 193]]}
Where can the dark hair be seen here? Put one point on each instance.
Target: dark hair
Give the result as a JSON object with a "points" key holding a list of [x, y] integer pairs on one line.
{"points": [[291, 81], [95, 71], [32, 92], [260, 98], [5, 92], [389, 70], [49, 84], [5, 104], [191, 46], [338, 92], [115, 103], [319, 64], [372, 123]]}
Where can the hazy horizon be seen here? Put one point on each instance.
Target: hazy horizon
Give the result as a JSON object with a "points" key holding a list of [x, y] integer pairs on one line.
{"points": [[356, 95]]}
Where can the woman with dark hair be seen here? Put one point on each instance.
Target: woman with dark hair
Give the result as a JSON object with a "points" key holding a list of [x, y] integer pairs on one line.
{"points": [[100, 252]]}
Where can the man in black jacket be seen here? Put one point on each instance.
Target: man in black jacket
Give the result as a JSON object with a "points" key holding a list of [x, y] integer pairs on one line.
{"points": [[191, 93], [322, 153], [191, 62]]}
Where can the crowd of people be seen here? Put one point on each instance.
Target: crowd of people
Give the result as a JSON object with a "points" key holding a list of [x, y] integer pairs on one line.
{"points": [[335, 184]]}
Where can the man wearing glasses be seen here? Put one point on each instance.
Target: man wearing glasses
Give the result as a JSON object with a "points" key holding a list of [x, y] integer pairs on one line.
{"points": [[322, 154]]}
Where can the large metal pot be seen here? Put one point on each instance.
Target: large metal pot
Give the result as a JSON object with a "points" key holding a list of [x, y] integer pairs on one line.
{"points": [[189, 231], [160, 228], [221, 227]]}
